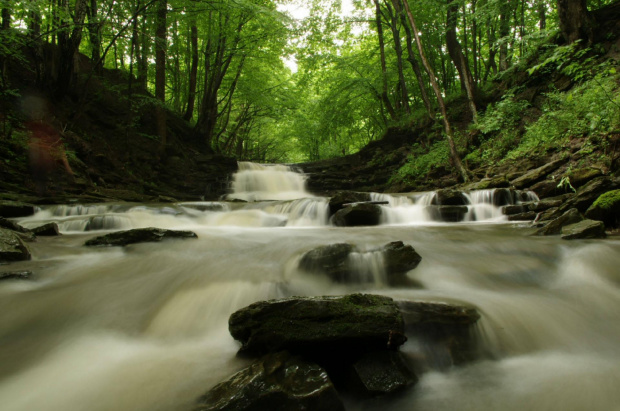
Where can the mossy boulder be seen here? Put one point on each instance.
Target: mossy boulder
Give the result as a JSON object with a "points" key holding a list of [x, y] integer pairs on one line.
{"points": [[590, 192], [12, 248], [278, 381], [606, 209], [139, 235], [319, 326]]}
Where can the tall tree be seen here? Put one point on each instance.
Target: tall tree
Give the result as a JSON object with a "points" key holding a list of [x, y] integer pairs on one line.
{"points": [[160, 70], [458, 58], [69, 39], [575, 21], [384, 82], [454, 155], [193, 70]]}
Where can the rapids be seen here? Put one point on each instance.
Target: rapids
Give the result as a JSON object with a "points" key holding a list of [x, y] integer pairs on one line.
{"points": [[145, 327]]}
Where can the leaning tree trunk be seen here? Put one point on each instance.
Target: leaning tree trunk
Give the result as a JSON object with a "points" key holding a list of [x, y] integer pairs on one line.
{"points": [[458, 58], [454, 155], [384, 86], [575, 22]]}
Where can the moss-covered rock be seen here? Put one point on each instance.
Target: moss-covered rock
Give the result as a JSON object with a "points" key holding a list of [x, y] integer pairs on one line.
{"points": [[10, 209], [277, 381], [319, 326], [12, 247], [139, 235], [606, 209]]}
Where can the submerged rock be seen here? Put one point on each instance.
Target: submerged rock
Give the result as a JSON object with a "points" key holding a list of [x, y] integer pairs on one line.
{"points": [[334, 260], [49, 229], [12, 247], [139, 235], [584, 229], [277, 381], [448, 213], [320, 326], [360, 214], [15, 275], [382, 372], [606, 209]]}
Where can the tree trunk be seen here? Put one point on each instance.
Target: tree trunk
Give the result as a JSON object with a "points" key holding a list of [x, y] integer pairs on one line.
{"points": [[160, 71], [384, 86], [69, 44], [398, 48], [193, 73], [6, 17], [542, 15], [575, 21], [456, 54], [454, 155], [143, 68], [504, 32], [94, 34]]}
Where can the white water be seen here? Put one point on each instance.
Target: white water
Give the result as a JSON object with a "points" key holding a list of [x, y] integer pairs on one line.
{"points": [[145, 327], [257, 182]]}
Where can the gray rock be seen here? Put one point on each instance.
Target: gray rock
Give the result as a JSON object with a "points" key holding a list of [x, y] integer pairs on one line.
{"points": [[382, 372], [319, 326], [49, 229], [591, 191], [139, 235], [584, 229], [10, 225], [537, 174], [400, 258], [362, 214], [12, 247], [449, 197], [278, 382], [554, 227], [513, 209], [544, 205], [527, 216]]}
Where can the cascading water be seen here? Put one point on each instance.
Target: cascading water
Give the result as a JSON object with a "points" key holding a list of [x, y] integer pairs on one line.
{"points": [[258, 182], [146, 327]]}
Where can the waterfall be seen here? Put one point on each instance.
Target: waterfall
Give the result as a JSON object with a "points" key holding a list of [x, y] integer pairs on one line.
{"points": [[259, 182]]}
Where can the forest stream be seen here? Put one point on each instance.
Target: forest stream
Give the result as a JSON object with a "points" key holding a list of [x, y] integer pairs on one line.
{"points": [[145, 327]]}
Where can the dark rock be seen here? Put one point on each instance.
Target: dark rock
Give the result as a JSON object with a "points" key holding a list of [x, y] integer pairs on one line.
{"points": [[537, 174], [341, 198], [513, 209], [549, 214], [358, 215], [606, 209], [10, 225], [449, 197], [319, 326], [382, 372], [448, 214], [12, 247], [275, 382], [546, 188], [139, 235], [332, 260], [584, 229], [443, 331], [587, 194], [544, 205], [400, 258], [15, 275], [527, 216], [10, 209], [554, 227], [49, 229]]}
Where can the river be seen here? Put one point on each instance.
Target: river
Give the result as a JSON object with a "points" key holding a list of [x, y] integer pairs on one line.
{"points": [[145, 327]]}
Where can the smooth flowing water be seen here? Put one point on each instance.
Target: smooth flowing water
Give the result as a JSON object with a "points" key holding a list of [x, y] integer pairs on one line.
{"points": [[145, 327]]}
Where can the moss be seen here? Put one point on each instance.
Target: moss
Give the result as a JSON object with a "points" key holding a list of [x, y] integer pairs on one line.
{"points": [[608, 200]]}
